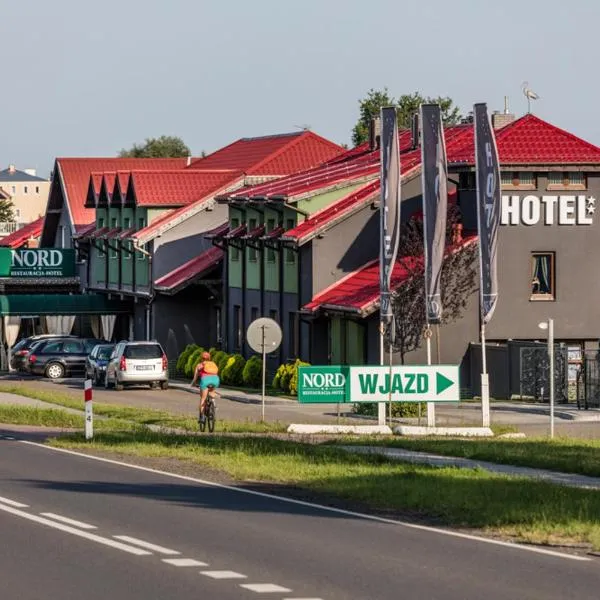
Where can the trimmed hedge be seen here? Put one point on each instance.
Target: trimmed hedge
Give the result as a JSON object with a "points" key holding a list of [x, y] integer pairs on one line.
{"points": [[233, 371], [183, 358], [399, 409], [252, 374], [286, 377], [192, 362]]}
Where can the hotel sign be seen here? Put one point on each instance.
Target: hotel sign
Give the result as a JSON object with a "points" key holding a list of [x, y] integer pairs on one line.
{"points": [[548, 210], [37, 262]]}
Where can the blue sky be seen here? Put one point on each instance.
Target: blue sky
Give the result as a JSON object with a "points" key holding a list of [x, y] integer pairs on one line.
{"points": [[85, 78]]}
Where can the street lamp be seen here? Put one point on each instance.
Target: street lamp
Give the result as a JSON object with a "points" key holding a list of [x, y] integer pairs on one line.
{"points": [[549, 325]]}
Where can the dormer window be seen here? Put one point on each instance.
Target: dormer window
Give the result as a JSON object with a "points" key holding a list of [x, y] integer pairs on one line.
{"points": [[560, 180]]}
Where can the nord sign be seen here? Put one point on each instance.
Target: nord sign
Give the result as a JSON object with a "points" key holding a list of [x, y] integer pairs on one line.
{"points": [[37, 262], [374, 383]]}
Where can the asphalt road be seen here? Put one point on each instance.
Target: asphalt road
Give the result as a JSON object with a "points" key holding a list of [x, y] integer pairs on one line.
{"points": [[139, 534]]}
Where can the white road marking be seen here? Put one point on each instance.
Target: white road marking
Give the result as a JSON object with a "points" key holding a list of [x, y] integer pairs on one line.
{"points": [[68, 521], [184, 562], [13, 503], [83, 534], [264, 588], [147, 545], [223, 575], [321, 507]]}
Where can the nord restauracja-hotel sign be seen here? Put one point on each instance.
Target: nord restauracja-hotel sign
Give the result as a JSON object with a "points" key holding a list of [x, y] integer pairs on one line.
{"points": [[550, 210], [38, 262]]}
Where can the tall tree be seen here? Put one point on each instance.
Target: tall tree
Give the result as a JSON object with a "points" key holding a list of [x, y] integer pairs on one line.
{"points": [[407, 105], [458, 282], [166, 146], [7, 212]]}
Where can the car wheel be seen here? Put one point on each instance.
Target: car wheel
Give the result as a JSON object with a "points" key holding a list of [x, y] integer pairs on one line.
{"points": [[118, 386], [107, 384], [153, 385], [55, 371], [164, 385]]}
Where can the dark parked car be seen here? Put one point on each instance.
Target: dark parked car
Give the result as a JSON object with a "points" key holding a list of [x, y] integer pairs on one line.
{"points": [[95, 364], [20, 351], [61, 357]]}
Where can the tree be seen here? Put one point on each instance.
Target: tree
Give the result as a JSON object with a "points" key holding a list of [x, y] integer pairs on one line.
{"points": [[458, 282], [7, 213], [166, 146], [407, 105]]}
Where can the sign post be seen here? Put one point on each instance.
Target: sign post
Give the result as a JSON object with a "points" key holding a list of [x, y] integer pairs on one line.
{"points": [[264, 336], [89, 414]]}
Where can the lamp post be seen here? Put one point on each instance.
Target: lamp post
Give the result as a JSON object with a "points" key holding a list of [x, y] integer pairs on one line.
{"points": [[549, 325]]}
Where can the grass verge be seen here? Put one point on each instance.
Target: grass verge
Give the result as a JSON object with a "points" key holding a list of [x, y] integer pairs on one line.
{"points": [[135, 415], [568, 455], [524, 509]]}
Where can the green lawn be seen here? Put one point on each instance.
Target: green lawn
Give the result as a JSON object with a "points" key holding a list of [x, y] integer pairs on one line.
{"points": [[528, 510]]}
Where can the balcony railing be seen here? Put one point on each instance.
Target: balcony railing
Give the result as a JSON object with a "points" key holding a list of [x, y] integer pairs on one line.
{"points": [[7, 227]]}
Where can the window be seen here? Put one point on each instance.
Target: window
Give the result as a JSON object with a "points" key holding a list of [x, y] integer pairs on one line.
{"points": [[237, 323], [127, 223], [113, 225], [141, 225], [290, 253], [521, 179], [51, 348], [143, 351], [293, 334], [14, 189], [25, 189], [37, 189], [252, 252], [543, 276], [235, 252], [72, 347], [562, 180], [270, 251], [467, 181], [253, 314], [17, 213], [273, 315], [127, 252], [100, 222]]}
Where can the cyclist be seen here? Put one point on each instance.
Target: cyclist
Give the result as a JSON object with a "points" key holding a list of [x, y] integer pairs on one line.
{"points": [[206, 374]]}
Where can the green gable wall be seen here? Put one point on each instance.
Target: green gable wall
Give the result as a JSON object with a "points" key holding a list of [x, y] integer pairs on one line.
{"points": [[315, 203]]}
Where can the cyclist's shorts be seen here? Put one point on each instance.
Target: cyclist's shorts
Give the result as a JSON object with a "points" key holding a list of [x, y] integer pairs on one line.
{"points": [[207, 380]]}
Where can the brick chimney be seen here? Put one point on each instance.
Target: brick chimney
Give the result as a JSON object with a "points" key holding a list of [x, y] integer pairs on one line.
{"points": [[500, 119], [12, 169]]}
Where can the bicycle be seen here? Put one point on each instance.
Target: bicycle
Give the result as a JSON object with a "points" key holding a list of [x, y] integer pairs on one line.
{"points": [[210, 411]]}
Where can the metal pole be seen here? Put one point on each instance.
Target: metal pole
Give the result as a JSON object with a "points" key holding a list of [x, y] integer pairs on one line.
{"points": [[391, 359], [89, 413], [264, 372], [430, 405], [381, 405], [551, 357], [485, 383]]}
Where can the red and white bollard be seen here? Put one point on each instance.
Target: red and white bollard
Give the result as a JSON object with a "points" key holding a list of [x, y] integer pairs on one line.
{"points": [[89, 414]]}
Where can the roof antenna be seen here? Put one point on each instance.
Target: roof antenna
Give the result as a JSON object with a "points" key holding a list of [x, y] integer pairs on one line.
{"points": [[303, 127], [529, 94]]}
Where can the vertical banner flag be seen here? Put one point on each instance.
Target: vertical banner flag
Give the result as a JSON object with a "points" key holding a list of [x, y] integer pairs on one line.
{"points": [[390, 207], [487, 169], [435, 205]]}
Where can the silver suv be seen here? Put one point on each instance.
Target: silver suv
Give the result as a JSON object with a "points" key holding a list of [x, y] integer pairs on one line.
{"points": [[137, 363]]}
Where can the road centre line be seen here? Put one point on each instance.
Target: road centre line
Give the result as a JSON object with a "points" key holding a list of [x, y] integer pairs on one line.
{"points": [[184, 562], [265, 588], [68, 521], [146, 545], [13, 503], [77, 532], [320, 507], [223, 575]]}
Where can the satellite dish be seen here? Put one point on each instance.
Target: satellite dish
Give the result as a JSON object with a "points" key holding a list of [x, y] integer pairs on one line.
{"points": [[264, 335]]}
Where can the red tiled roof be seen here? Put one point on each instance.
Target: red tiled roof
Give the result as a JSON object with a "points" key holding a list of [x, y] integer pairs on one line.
{"points": [[20, 236], [530, 140], [324, 218], [190, 271], [203, 187], [272, 154], [177, 188], [75, 173], [358, 292]]}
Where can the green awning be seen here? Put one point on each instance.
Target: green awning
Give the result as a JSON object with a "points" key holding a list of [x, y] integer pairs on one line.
{"points": [[61, 304]]}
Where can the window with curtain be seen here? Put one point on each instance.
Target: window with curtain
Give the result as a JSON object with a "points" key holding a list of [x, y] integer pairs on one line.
{"points": [[543, 276]]}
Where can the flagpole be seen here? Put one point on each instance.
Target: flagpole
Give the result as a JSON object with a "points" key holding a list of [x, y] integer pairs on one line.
{"points": [[381, 405], [430, 405]]}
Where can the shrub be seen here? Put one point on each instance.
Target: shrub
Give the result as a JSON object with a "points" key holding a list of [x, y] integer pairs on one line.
{"points": [[234, 368], [220, 358], [252, 374], [192, 361], [276, 384], [399, 409], [183, 358], [293, 384], [286, 377]]}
